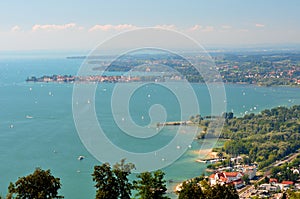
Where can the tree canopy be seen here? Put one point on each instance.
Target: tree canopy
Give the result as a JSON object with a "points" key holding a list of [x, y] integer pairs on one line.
{"points": [[200, 189], [191, 190], [264, 137], [38, 185], [112, 183], [151, 185]]}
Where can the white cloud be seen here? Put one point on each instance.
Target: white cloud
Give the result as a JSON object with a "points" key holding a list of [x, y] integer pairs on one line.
{"points": [[202, 28], [195, 27], [53, 27], [226, 27], [109, 27], [258, 25], [75, 36], [164, 26], [15, 29]]}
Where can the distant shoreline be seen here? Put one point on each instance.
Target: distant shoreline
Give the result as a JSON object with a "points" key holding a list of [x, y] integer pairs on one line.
{"points": [[118, 78]]}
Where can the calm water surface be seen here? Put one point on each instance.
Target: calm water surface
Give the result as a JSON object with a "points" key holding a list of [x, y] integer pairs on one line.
{"points": [[37, 127]]}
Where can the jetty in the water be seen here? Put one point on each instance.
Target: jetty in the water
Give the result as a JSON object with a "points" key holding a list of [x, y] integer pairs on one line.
{"points": [[175, 123]]}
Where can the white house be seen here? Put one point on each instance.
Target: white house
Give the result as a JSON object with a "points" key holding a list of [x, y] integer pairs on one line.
{"points": [[224, 177]]}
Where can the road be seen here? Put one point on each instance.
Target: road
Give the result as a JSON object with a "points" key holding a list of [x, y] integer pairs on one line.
{"points": [[246, 192], [281, 162]]}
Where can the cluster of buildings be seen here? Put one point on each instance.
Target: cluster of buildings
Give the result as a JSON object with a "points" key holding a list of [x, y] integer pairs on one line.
{"points": [[281, 71], [273, 189], [91, 78], [222, 178], [102, 78], [235, 178]]}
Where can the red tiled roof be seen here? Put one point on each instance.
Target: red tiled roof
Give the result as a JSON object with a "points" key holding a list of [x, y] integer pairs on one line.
{"points": [[223, 179], [231, 174], [273, 180], [221, 175], [224, 176], [212, 175], [287, 182], [238, 181]]}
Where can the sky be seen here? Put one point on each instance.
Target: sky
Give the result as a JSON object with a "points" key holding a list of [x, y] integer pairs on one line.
{"points": [[81, 25]]}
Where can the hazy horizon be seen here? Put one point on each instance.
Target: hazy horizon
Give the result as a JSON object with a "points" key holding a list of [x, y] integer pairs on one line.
{"points": [[56, 25]]}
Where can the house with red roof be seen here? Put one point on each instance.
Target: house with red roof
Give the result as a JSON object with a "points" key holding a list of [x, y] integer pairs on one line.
{"points": [[286, 185], [273, 180], [287, 182], [226, 178]]}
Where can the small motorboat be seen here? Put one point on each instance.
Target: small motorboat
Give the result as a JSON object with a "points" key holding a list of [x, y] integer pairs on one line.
{"points": [[81, 157]]}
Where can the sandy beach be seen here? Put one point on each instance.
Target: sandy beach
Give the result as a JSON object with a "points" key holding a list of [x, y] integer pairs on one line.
{"points": [[206, 154]]}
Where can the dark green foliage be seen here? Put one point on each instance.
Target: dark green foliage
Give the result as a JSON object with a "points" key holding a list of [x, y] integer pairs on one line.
{"points": [[293, 194], [196, 119], [122, 171], [220, 155], [228, 115], [106, 183], [284, 172], [195, 189], [284, 196], [39, 185], [265, 137], [113, 183], [246, 179], [151, 185], [221, 191], [190, 190]]}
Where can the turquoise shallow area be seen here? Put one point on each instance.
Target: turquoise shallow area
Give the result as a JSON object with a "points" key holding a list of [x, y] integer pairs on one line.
{"points": [[37, 127]]}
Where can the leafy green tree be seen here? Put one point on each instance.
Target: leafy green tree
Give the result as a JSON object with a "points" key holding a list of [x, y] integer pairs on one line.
{"points": [[220, 155], [112, 183], [284, 196], [265, 137], [190, 190], [246, 179], [221, 191], [122, 171], [293, 194], [284, 172], [195, 189], [106, 183], [39, 185], [151, 185]]}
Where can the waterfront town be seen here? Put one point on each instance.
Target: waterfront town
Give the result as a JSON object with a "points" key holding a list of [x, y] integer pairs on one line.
{"points": [[270, 183], [262, 69], [258, 157]]}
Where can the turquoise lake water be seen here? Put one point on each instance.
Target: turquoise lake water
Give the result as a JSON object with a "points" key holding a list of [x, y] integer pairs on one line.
{"points": [[49, 139]]}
